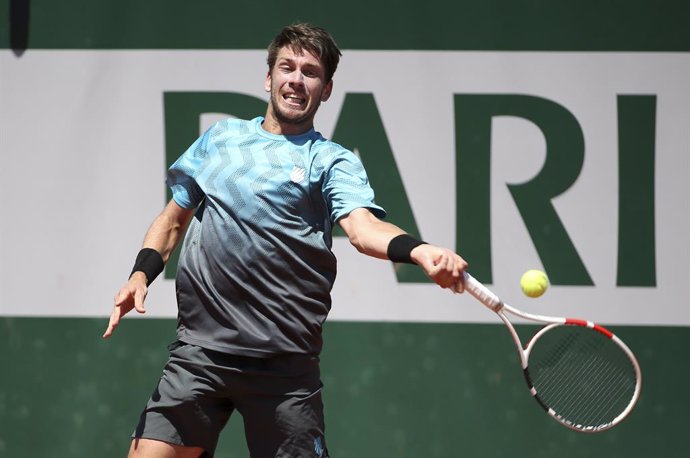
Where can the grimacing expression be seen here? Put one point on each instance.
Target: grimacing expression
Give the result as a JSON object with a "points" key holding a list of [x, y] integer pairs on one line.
{"points": [[297, 86]]}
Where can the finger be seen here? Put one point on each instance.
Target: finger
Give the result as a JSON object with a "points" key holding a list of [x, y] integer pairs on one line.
{"points": [[451, 264], [441, 263], [451, 271], [457, 266], [439, 255], [454, 288], [444, 273], [112, 324], [139, 296], [109, 331], [454, 264], [459, 286], [120, 297]]}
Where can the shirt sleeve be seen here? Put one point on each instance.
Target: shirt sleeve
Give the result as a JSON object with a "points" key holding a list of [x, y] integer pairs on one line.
{"points": [[346, 188], [181, 176]]}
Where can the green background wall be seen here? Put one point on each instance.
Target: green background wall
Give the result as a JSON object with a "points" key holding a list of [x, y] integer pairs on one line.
{"points": [[566, 25], [392, 390]]}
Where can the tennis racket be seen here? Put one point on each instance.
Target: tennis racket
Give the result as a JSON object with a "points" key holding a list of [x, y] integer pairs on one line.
{"points": [[584, 376]]}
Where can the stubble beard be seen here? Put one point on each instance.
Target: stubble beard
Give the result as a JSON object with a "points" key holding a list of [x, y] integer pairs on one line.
{"points": [[291, 118]]}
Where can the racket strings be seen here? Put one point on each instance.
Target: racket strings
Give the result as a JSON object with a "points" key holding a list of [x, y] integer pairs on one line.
{"points": [[609, 394], [575, 385], [585, 377], [573, 393]]}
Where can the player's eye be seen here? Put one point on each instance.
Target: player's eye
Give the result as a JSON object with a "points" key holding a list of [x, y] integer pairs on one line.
{"points": [[310, 73]]}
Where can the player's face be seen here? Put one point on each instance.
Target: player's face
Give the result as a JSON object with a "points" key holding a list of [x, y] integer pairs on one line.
{"points": [[297, 86]]}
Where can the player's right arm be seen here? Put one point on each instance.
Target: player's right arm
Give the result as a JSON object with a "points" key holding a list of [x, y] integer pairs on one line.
{"points": [[163, 235]]}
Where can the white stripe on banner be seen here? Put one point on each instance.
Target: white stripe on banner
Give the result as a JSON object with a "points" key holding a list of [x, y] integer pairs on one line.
{"points": [[83, 160]]}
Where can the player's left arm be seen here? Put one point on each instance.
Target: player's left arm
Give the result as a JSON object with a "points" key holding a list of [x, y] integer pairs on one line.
{"points": [[373, 237]]}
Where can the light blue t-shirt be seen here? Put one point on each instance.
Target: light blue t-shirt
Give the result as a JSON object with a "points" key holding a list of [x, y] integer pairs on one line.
{"points": [[256, 269]]}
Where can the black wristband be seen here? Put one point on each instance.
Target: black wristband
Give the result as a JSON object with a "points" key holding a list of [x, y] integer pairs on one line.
{"points": [[150, 262], [401, 246]]}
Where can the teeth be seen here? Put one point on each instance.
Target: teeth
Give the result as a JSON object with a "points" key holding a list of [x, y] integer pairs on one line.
{"points": [[292, 98]]}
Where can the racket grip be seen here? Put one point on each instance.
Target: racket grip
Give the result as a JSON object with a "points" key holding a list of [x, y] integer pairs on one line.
{"points": [[482, 293]]}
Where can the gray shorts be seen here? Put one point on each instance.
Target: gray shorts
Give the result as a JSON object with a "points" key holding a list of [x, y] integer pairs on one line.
{"points": [[279, 399]]}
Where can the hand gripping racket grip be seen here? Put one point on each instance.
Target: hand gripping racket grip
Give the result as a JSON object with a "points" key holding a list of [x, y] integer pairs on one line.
{"points": [[482, 293]]}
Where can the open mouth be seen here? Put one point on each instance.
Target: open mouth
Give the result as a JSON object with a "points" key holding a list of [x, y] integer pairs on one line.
{"points": [[294, 100]]}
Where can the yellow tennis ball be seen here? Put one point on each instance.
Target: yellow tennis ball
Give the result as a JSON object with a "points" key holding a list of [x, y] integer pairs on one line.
{"points": [[534, 283]]}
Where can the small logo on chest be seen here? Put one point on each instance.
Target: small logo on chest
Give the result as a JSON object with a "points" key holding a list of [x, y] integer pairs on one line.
{"points": [[297, 175]]}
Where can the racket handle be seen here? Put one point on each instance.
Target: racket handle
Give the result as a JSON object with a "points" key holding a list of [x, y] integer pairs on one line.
{"points": [[482, 293]]}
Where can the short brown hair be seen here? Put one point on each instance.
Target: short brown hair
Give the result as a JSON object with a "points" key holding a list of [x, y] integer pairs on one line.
{"points": [[306, 37]]}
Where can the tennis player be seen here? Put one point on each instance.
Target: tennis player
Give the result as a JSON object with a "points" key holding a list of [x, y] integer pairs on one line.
{"points": [[258, 200]]}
